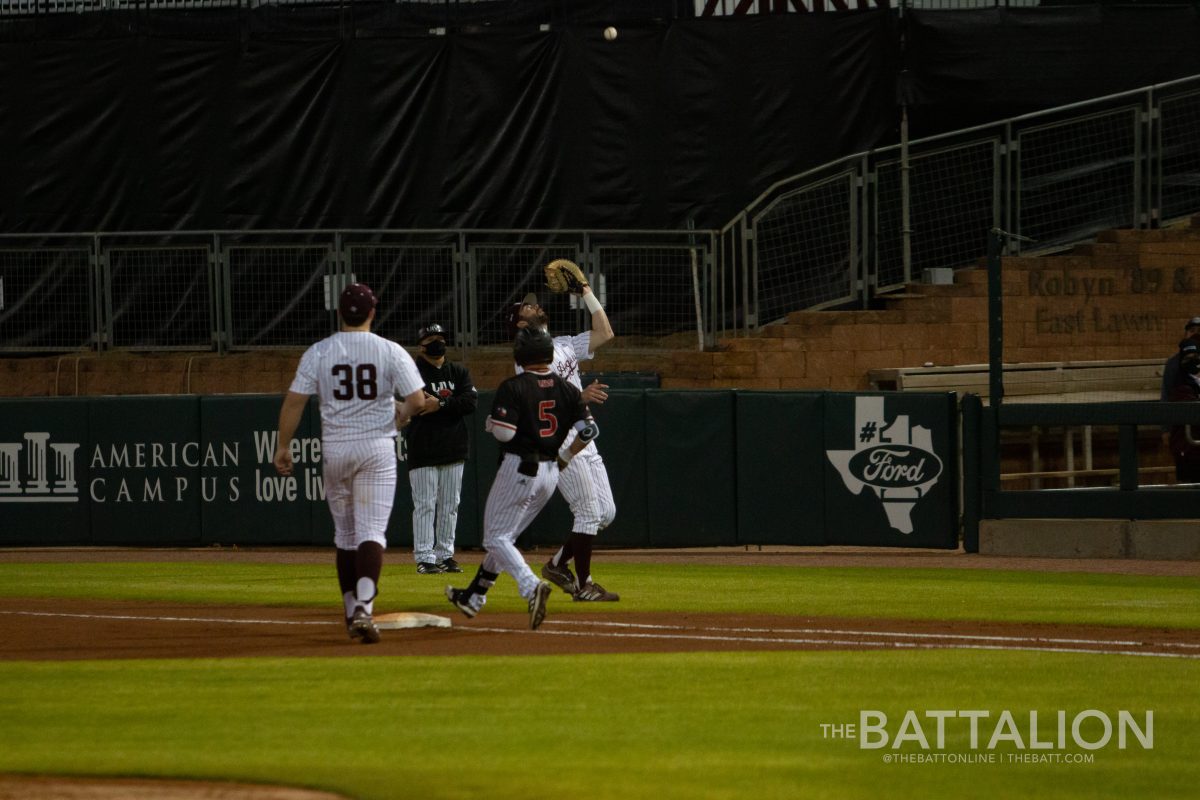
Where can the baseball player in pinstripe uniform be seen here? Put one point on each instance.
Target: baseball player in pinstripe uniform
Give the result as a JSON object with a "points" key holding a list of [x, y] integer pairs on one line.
{"points": [[585, 486], [357, 376], [436, 449], [531, 417]]}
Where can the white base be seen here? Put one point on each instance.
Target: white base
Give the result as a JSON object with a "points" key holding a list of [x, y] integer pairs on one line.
{"points": [[410, 619]]}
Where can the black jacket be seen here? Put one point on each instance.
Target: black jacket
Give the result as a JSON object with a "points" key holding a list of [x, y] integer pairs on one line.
{"points": [[1185, 391], [441, 437]]}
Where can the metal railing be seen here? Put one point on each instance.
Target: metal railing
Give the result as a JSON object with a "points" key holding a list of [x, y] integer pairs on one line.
{"points": [[230, 290], [834, 235]]}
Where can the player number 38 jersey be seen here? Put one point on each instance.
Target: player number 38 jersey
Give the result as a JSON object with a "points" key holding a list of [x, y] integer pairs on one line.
{"points": [[356, 375]]}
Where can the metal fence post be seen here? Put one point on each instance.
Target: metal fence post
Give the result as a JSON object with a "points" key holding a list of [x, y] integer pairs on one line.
{"points": [[104, 304], [972, 454], [995, 242], [1153, 159], [216, 309], [469, 297]]}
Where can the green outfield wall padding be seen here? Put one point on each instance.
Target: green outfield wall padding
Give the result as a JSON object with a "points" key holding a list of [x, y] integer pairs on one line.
{"points": [[891, 469], [243, 500], [686, 468], [470, 507], [321, 532], [483, 466], [44, 475], [690, 468], [146, 461], [623, 380], [780, 468], [622, 445]]}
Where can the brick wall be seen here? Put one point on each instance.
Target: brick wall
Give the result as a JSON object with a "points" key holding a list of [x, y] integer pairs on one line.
{"points": [[1126, 296]]}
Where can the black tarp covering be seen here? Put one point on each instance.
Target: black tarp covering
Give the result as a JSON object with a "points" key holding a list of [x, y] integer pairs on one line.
{"points": [[307, 118], [360, 117], [971, 67]]}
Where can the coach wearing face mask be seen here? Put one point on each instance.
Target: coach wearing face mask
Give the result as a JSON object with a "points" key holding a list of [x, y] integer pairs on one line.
{"points": [[437, 449]]}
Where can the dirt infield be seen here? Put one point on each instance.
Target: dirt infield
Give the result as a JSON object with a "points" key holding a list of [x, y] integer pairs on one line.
{"points": [[81, 630], [84, 629], [21, 787]]}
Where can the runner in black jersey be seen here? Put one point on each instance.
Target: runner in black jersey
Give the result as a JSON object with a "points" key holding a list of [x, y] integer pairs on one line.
{"points": [[531, 416]]}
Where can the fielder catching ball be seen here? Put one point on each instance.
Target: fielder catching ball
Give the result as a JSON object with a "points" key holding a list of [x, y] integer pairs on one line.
{"points": [[585, 486]]}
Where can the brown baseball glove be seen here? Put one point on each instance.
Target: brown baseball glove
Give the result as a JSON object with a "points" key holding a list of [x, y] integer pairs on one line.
{"points": [[565, 276]]}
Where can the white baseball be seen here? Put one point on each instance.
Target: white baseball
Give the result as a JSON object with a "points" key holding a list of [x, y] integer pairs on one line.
{"points": [[610, 33]]}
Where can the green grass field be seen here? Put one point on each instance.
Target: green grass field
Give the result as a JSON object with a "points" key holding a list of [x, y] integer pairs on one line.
{"points": [[697, 725]]}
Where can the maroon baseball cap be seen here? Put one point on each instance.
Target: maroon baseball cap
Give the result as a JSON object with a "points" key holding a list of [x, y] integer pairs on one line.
{"points": [[356, 303]]}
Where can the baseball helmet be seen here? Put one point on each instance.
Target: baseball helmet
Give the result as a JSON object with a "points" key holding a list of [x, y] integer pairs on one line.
{"points": [[512, 314], [356, 303], [533, 346], [431, 330]]}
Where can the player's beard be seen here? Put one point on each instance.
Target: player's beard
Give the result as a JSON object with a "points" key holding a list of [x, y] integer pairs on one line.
{"points": [[541, 319]]}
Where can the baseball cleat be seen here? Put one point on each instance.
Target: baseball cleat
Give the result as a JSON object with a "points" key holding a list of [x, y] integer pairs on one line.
{"points": [[595, 593], [537, 604], [362, 627], [450, 565], [460, 599], [562, 577], [429, 568]]}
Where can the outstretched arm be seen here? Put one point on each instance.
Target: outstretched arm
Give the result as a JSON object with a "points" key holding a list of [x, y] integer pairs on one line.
{"points": [[602, 331]]}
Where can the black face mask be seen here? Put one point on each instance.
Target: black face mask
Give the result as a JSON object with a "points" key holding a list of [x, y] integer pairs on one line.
{"points": [[435, 349], [1190, 364]]}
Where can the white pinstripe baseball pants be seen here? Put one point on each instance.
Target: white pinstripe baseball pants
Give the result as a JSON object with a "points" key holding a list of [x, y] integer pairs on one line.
{"points": [[584, 485], [360, 486], [436, 492], [513, 502]]}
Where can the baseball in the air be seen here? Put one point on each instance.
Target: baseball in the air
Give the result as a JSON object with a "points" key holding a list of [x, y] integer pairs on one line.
{"points": [[610, 33]]}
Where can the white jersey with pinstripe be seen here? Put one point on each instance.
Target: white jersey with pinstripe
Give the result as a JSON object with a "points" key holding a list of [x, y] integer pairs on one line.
{"points": [[356, 375], [586, 490]]}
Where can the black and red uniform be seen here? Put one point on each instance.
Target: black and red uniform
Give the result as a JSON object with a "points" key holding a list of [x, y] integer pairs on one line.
{"points": [[541, 408]]}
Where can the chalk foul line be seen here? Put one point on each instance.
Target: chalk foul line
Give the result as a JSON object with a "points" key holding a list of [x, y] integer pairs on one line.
{"points": [[904, 640]]}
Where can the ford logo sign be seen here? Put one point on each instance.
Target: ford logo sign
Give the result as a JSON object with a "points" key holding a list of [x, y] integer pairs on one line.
{"points": [[894, 466]]}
